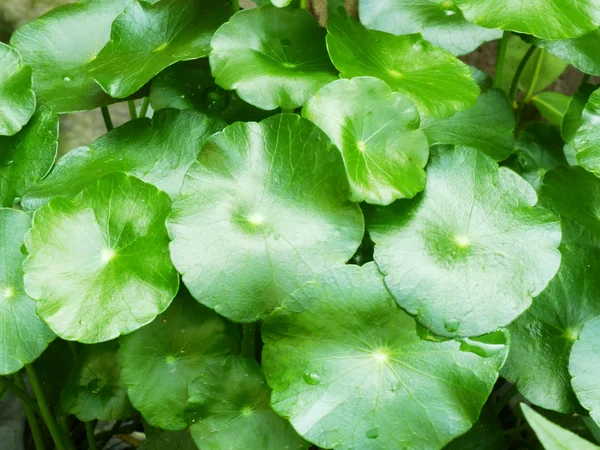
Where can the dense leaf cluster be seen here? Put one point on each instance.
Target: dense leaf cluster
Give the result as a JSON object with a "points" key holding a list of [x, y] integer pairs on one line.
{"points": [[343, 237]]}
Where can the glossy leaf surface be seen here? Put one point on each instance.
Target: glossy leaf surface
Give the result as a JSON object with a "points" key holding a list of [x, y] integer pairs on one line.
{"points": [[587, 138], [582, 52], [17, 100]]}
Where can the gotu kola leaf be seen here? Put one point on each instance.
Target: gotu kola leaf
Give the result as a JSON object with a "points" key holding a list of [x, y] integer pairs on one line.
{"points": [[587, 138], [439, 21], [432, 78], [552, 106], [168, 354], [229, 408], [147, 37], [272, 57], [349, 371], [98, 264], [26, 157], [23, 335], [17, 100], [468, 256], [157, 439], [581, 52], [377, 132], [264, 209]]}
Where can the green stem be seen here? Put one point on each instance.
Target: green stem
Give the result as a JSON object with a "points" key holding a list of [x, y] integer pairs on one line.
{"points": [[536, 75], [19, 390], [32, 419], [144, 107], [304, 4], [514, 87], [249, 340], [236, 6], [500, 58], [132, 111], [89, 432], [44, 409], [106, 117]]}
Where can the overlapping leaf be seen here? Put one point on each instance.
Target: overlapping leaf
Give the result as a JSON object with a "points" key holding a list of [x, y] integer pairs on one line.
{"points": [[161, 359], [263, 210], [272, 57], [582, 52], [17, 100], [552, 106], [439, 21], [157, 439], [147, 37], [377, 132], [436, 82], [468, 256], [98, 264], [486, 434], [348, 369], [587, 138]]}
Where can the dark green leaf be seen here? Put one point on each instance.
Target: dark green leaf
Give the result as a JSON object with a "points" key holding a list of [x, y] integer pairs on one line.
{"points": [[17, 100], [486, 434], [157, 439]]}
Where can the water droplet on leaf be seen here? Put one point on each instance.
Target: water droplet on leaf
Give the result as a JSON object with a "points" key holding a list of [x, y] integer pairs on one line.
{"points": [[451, 325], [372, 433], [311, 378]]}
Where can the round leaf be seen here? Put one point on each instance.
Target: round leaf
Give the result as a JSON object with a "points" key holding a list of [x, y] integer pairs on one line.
{"points": [[94, 390], [436, 82], [541, 338], [158, 151], [582, 52], [23, 335], [467, 256], [17, 100], [161, 359], [488, 126], [229, 408], [349, 371], [26, 157], [587, 138], [98, 264], [60, 46], [377, 133], [263, 210], [272, 57], [147, 37], [548, 19], [439, 21]]}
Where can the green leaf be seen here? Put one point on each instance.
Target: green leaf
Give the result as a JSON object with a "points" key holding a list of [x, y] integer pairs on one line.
{"points": [[27, 157], [272, 57], [377, 132], [157, 439], [263, 210], [436, 82], [587, 138], [486, 434], [552, 105], [159, 151], [60, 46], [94, 390], [161, 359], [541, 338], [487, 127], [98, 264], [581, 52], [439, 21], [54, 367], [17, 100], [552, 436], [23, 335], [147, 37], [281, 3], [573, 120], [349, 371], [584, 365], [548, 19], [468, 256], [229, 408]]}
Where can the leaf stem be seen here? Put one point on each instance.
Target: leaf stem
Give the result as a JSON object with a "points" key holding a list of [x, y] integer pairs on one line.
{"points": [[514, 87], [44, 409], [500, 58], [107, 118], [304, 4], [248, 349], [144, 107], [132, 111], [236, 6], [536, 75], [19, 390], [89, 432], [30, 407]]}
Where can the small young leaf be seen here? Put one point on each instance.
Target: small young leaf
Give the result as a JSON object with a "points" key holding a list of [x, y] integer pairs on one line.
{"points": [[17, 100], [552, 105], [229, 407], [587, 138], [272, 57], [98, 264], [377, 132], [26, 157], [439, 21], [264, 209], [349, 371], [147, 37], [487, 127], [161, 359], [94, 390], [23, 335], [436, 82], [581, 52], [468, 256]]}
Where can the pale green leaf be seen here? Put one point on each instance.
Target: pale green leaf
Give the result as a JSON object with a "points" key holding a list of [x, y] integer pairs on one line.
{"points": [[552, 105], [17, 100]]}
